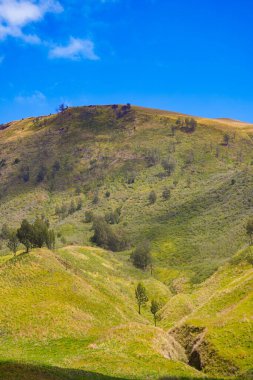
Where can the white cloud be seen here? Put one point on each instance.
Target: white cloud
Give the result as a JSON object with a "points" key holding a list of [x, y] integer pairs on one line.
{"points": [[35, 98], [76, 49], [16, 14]]}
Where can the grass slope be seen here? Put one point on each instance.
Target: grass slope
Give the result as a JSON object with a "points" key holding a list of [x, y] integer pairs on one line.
{"points": [[76, 309], [192, 233], [219, 325]]}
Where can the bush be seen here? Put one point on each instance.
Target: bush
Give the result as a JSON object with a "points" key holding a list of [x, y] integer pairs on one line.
{"points": [[152, 157], [36, 235], [169, 166], [41, 174], [113, 217], [105, 237], [166, 193], [88, 216], [25, 174], [152, 197], [141, 256], [107, 194]]}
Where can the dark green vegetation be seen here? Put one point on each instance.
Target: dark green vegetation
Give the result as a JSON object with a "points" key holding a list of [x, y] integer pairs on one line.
{"points": [[171, 195]]}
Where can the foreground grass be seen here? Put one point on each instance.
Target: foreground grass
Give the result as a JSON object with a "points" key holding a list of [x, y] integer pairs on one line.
{"points": [[76, 309]]}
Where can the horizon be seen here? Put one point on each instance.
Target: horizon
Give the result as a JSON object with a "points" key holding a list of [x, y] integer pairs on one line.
{"points": [[183, 56]]}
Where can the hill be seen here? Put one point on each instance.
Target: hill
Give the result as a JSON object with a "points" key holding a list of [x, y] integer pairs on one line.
{"points": [[75, 308], [50, 161], [71, 313]]}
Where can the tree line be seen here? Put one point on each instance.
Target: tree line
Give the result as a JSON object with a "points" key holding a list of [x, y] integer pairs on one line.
{"points": [[31, 235]]}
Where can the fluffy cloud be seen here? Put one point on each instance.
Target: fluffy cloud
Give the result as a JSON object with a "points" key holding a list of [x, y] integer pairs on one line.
{"points": [[16, 14], [76, 49], [35, 98]]}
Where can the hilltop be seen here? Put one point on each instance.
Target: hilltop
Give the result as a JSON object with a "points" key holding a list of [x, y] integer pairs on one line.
{"points": [[74, 308]]}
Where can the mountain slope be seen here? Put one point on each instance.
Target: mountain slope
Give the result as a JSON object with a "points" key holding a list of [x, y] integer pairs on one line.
{"points": [[73, 311], [50, 161]]}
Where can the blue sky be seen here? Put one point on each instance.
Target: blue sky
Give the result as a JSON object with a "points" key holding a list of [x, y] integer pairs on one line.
{"points": [[192, 56]]}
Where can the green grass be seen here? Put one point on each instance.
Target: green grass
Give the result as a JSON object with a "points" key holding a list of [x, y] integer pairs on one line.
{"points": [[75, 308]]}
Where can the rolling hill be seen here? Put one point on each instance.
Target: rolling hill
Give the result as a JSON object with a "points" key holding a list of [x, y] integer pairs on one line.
{"points": [[71, 313]]}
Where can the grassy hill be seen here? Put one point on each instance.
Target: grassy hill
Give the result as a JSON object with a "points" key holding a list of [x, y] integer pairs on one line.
{"points": [[73, 311], [75, 308]]}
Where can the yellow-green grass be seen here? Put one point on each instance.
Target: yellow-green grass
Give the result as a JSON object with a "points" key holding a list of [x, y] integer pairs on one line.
{"points": [[75, 308], [192, 233], [222, 308]]}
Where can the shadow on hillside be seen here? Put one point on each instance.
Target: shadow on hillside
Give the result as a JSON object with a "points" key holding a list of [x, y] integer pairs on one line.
{"points": [[20, 371], [188, 378]]}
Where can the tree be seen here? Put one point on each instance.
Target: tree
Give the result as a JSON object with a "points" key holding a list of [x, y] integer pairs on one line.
{"points": [[50, 239], [40, 233], [141, 296], [62, 107], [226, 139], [25, 234], [13, 242], [249, 230], [41, 174], [166, 193], [79, 204], [5, 232], [105, 237], [152, 157], [72, 207], [88, 216], [154, 308], [141, 256], [152, 197], [169, 166]]}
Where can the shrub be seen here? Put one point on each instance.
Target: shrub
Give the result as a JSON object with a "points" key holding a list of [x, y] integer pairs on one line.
{"points": [[113, 217], [107, 194], [25, 174], [152, 197], [105, 237], [152, 157], [88, 216], [166, 193], [141, 256], [13, 242], [141, 296], [41, 174], [169, 166]]}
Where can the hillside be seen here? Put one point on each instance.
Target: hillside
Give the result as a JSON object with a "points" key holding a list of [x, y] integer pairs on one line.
{"points": [[71, 313], [75, 308]]}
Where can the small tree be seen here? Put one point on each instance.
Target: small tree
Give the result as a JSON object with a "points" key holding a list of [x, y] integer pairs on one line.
{"points": [[141, 296], [249, 230], [141, 256], [13, 242], [169, 166], [5, 232], [152, 197], [166, 193], [154, 308], [226, 139], [62, 107], [50, 239], [25, 234]]}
